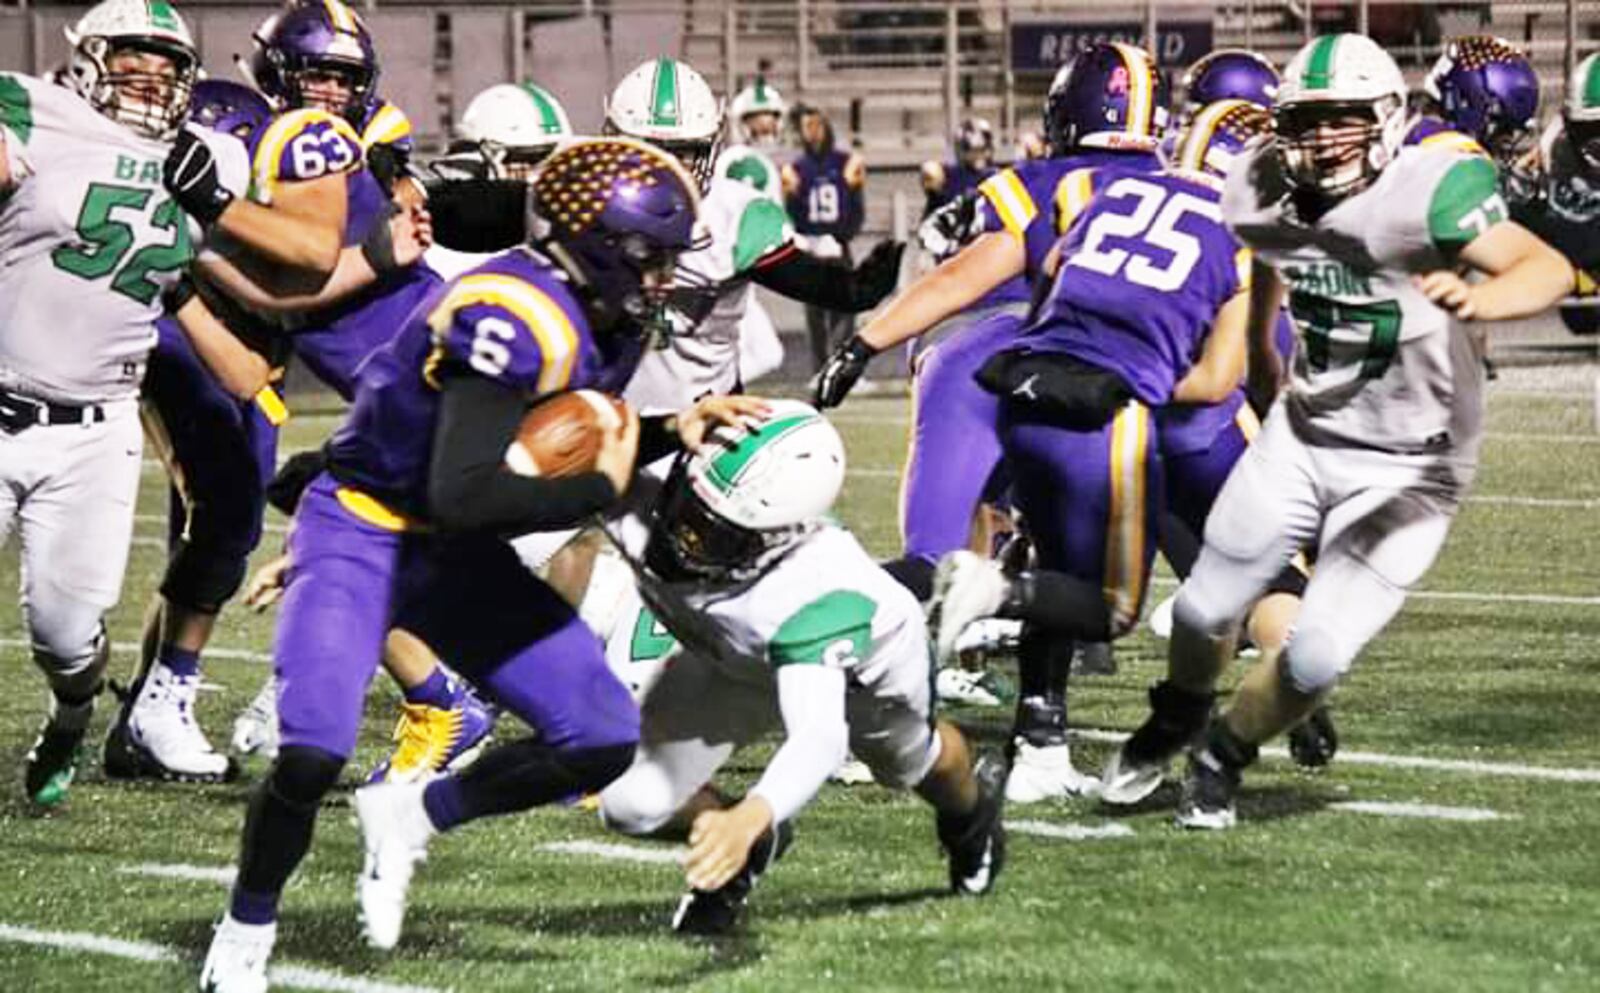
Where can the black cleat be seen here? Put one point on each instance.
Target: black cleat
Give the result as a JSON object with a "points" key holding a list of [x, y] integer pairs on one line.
{"points": [[1314, 741], [52, 764], [1208, 790], [717, 912], [976, 843]]}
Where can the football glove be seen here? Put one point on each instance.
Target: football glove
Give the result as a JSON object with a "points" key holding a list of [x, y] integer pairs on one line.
{"points": [[841, 372], [190, 175]]}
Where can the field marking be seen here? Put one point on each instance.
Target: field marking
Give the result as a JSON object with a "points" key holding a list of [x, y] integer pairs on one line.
{"points": [[1070, 832], [1463, 596], [1471, 767], [623, 853], [133, 648], [220, 874], [271, 527], [1427, 811], [295, 976]]}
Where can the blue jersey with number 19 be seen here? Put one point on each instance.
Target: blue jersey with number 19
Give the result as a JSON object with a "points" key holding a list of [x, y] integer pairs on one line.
{"points": [[1144, 269]]}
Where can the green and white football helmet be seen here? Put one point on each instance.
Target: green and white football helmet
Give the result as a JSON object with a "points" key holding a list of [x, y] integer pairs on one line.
{"points": [[1580, 115], [149, 103], [1340, 115], [758, 111], [746, 497], [665, 102], [513, 127]]}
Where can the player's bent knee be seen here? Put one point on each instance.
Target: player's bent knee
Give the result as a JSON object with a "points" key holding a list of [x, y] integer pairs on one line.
{"points": [[1197, 609], [303, 774], [68, 635], [900, 762], [204, 578], [640, 802], [1314, 660]]}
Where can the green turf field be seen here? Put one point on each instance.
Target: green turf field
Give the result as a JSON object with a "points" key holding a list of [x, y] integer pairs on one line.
{"points": [[1495, 669]]}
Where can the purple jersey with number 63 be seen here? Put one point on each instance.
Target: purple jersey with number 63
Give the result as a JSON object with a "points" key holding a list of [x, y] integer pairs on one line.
{"points": [[1144, 269]]}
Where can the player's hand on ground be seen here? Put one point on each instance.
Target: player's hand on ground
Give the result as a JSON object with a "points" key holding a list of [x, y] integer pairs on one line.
{"points": [[720, 842], [709, 413], [267, 585], [1449, 291], [841, 372], [619, 450]]}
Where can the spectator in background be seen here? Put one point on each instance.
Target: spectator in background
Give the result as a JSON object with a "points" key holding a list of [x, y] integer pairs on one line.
{"points": [[823, 189], [1030, 145]]}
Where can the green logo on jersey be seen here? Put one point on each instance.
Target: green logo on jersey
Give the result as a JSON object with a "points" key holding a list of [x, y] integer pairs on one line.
{"points": [[1331, 279], [131, 170], [651, 639]]}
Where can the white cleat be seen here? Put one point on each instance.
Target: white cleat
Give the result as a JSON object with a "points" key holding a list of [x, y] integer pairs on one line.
{"points": [[1125, 782], [954, 684], [395, 832], [852, 772], [161, 738], [255, 730], [1046, 772], [966, 588], [989, 636], [236, 962]]}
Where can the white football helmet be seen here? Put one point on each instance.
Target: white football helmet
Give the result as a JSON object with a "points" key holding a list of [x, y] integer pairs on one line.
{"points": [[1331, 80], [513, 127], [149, 103], [758, 111], [1580, 115], [668, 104], [747, 496]]}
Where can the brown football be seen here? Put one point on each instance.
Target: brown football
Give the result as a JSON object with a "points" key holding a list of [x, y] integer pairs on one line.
{"points": [[562, 435]]}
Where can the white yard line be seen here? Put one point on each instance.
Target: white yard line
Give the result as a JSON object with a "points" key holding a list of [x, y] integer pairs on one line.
{"points": [[271, 527], [1070, 832], [133, 648], [1426, 811], [1471, 767], [292, 976], [220, 874], [1463, 596], [622, 853]]}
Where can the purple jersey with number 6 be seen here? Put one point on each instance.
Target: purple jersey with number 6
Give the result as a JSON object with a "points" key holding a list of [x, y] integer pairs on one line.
{"points": [[1144, 270]]}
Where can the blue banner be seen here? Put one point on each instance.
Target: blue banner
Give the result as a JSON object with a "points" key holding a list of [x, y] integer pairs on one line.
{"points": [[1042, 46]]}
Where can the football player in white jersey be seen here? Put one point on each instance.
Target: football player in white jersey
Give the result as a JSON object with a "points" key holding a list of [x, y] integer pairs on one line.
{"points": [[784, 621], [94, 249], [1370, 450]]}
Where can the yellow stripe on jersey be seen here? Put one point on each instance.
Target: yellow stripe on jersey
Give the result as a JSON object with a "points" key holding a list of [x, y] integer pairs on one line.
{"points": [[369, 509], [1011, 201], [1249, 424], [343, 18], [389, 124], [1072, 195], [1140, 79], [557, 338], [1243, 267], [272, 406], [1453, 141], [1125, 537], [284, 129]]}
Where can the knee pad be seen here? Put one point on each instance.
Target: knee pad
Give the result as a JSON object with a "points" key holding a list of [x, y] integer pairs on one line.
{"points": [[640, 802], [205, 575], [79, 678], [69, 636], [1198, 612], [302, 775], [596, 768], [1313, 660]]}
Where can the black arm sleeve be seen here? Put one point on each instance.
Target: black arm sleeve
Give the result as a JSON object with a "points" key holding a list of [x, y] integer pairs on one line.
{"points": [[479, 215], [469, 486], [829, 285], [658, 438]]}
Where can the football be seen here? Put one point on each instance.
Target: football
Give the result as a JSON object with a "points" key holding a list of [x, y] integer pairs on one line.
{"points": [[561, 436]]}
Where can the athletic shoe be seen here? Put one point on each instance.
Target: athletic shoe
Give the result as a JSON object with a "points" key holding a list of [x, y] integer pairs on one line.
{"points": [[966, 587], [156, 736], [1208, 792], [976, 843], [255, 730], [236, 962], [973, 688], [1045, 772], [435, 739], [1177, 719], [717, 912], [851, 772], [1126, 779], [52, 763], [1314, 741], [988, 637], [394, 832]]}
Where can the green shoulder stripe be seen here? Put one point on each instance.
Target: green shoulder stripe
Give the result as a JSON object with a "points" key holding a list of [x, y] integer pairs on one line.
{"points": [[1465, 204], [16, 107], [835, 630], [763, 227], [750, 169]]}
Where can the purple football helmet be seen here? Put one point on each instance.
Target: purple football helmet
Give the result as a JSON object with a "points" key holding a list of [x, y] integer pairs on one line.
{"points": [[1109, 95], [1486, 89], [1217, 135], [228, 107], [615, 213], [1229, 74], [299, 48]]}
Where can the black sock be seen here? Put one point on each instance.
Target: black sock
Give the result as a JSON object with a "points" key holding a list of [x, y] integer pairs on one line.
{"points": [[278, 826], [1044, 659], [1228, 748], [1064, 603], [520, 776]]}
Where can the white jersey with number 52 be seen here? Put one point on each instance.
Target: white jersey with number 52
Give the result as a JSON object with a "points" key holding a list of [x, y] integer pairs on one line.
{"points": [[1379, 366], [89, 240]]}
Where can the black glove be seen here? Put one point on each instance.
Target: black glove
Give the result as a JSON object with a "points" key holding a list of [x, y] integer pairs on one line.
{"points": [[178, 295], [387, 163], [378, 246], [293, 477], [949, 229], [843, 368], [190, 175], [879, 273]]}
